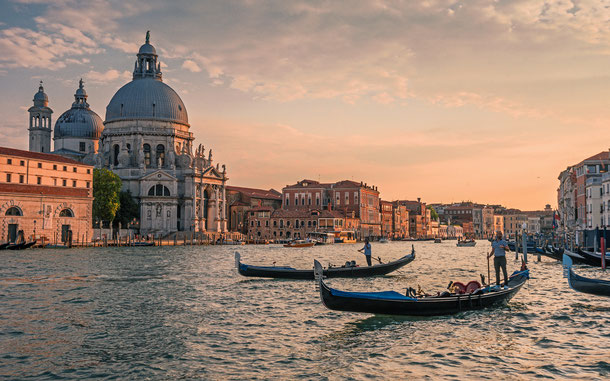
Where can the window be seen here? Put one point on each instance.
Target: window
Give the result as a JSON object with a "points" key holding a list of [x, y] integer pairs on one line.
{"points": [[66, 213], [88, 184], [274, 224], [63, 182], [287, 200], [9, 161], [88, 171], [74, 183], [346, 198], [281, 223], [267, 223], [54, 181], [13, 211], [65, 168], [161, 155], [288, 223], [54, 166], [159, 191], [8, 177], [39, 165], [81, 146], [39, 180], [146, 149], [74, 169], [21, 179], [303, 200], [115, 159], [22, 163], [258, 224]]}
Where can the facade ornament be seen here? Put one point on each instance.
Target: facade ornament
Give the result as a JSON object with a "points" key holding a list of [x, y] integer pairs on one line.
{"points": [[210, 156], [224, 169], [171, 157]]}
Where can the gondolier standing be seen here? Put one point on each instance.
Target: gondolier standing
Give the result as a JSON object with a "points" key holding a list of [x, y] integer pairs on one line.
{"points": [[367, 251], [498, 250]]}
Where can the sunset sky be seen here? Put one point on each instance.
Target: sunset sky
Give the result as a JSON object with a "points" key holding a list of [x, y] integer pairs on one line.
{"points": [[444, 100]]}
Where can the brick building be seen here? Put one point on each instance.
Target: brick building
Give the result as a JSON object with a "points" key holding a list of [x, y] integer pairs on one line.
{"points": [[45, 196], [419, 217], [242, 200], [266, 223], [387, 218]]}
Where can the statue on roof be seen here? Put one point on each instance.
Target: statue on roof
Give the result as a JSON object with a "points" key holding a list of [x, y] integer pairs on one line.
{"points": [[80, 83], [148, 36]]}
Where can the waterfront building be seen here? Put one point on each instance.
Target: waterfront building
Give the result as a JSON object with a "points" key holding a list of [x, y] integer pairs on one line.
{"points": [[593, 166], [605, 202], [40, 122], [242, 200], [45, 196], [458, 213], [513, 223], [419, 216], [348, 197], [566, 201], [483, 221], [400, 222], [387, 217], [593, 191], [498, 223], [266, 223]]}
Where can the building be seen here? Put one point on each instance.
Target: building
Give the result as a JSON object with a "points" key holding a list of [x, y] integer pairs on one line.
{"points": [[357, 200], [593, 166], [387, 218], [266, 223], [513, 223], [146, 140], [242, 200], [566, 201], [400, 224], [419, 216], [498, 223], [45, 196], [594, 210], [483, 221], [458, 213]]}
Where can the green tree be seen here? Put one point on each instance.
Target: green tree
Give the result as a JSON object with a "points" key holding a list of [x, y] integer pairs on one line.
{"points": [[106, 188], [433, 214], [128, 209]]}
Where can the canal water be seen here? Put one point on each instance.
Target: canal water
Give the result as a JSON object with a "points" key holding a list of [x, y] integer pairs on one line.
{"points": [[184, 313]]}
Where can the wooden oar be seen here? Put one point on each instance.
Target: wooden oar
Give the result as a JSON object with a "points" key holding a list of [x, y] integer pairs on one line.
{"points": [[488, 271]]}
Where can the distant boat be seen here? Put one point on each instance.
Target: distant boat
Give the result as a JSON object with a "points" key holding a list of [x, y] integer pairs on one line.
{"points": [[437, 240], [383, 240], [466, 243], [586, 285], [300, 244]]}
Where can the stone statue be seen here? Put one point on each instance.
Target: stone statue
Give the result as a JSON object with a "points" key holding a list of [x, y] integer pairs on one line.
{"points": [[224, 169], [171, 157], [99, 160], [123, 156], [210, 156], [148, 36]]}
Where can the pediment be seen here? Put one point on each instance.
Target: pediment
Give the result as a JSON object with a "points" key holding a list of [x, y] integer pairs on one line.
{"points": [[158, 175], [212, 172]]}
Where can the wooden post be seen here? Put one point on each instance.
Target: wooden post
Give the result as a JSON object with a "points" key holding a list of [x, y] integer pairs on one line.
{"points": [[603, 248]]}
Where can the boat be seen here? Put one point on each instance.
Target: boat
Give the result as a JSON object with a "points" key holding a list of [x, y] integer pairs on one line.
{"points": [[29, 244], [383, 240], [438, 240], [4, 245], [345, 236], [321, 238], [581, 284], [16, 246], [466, 243], [345, 271], [531, 247], [594, 259], [300, 243], [395, 303], [576, 258]]}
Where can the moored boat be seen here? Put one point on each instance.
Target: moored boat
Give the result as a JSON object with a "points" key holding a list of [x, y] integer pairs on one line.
{"points": [[4, 245], [594, 259], [582, 284], [383, 240], [437, 240], [346, 271], [395, 303]]}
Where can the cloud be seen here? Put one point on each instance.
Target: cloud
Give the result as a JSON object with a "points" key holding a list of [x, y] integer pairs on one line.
{"points": [[191, 66], [108, 76]]}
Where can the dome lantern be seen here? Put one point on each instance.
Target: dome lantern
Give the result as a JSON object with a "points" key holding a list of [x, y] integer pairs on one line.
{"points": [[146, 65]]}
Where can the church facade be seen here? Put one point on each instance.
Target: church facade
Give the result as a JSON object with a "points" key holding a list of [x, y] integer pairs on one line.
{"points": [[146, 140]]}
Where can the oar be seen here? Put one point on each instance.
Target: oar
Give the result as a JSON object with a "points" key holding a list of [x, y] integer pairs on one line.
{"points": [[488, 271]]}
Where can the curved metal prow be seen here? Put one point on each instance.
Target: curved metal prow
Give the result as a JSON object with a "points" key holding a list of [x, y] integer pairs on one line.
{"points": [[318, 273], [567, 264], [413, 249], [237, 260]]}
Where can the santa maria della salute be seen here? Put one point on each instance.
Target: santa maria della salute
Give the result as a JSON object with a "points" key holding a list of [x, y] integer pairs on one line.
{"points": [[145, 140]]}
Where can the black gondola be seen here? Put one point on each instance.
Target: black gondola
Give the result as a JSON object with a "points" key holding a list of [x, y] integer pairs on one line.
{"points": [[16, 246], [394, 303], [332, 272], [582, 284], [593, 259], [4, 245]]}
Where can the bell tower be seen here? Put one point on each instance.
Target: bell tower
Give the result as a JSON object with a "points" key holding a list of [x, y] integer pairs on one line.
{"points": [[40, 122]]}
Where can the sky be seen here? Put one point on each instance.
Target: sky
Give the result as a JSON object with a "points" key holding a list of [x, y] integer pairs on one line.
{"points": [[476, 100]]}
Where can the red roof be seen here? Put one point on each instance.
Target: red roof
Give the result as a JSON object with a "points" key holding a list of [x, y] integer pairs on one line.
{"points": [[283, 213], [44, 190], [259, 193], [37, 155], [308, 184]]}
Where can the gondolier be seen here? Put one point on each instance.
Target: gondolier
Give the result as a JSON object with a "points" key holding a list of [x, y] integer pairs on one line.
{"points": [[498, 250], [367, 251]]}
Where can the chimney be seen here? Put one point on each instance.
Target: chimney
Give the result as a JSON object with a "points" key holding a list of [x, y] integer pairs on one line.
{"points": [[419, 199]]}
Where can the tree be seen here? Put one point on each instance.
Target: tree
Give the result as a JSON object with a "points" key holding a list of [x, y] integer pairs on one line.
{"points": [[433, 214], [128, 209], [106, 188]]}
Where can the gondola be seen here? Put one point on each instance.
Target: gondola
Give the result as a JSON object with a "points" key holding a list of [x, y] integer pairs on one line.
{"points": [[466, 243], [29, 244], [394, 303], [594, 259], [582, 284], [332, 272], [16, 246], [4, 245]]}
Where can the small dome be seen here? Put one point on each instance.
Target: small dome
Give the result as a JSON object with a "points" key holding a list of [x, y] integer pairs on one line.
{"points": [[78, 123], [147, 49], [40, 98], [146, 98]]}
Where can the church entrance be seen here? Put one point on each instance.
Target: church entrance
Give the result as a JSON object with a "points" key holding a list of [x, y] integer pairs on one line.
{"points": [[65, 233]]}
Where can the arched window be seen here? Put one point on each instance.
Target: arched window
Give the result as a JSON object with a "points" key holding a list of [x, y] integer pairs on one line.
{"points": [[66, 213], [146, 148], [116, 154], [13, 211], [159, 191], [206, 199], [161, 154]]}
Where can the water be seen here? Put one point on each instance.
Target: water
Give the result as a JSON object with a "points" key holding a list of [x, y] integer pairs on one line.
{"points": [[184, 313]]}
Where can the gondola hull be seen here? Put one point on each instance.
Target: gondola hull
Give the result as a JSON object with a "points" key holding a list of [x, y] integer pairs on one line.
{"points": [[593, 259], [333, 272], [397, 304], [582, 284]]}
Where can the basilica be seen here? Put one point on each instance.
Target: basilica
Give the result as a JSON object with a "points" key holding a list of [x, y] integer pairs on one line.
{"points": [[146, 140]]}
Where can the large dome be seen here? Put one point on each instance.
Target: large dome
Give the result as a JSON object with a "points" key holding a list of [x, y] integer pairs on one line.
{"points": [[146, 98], [79, 121]]}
